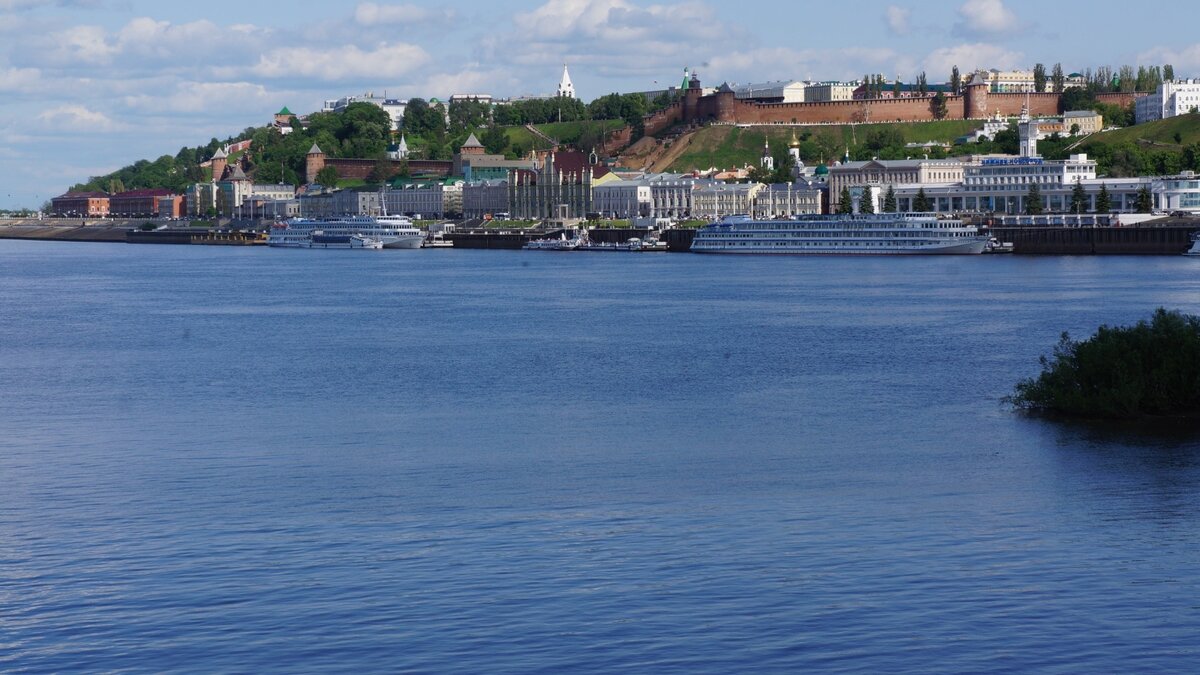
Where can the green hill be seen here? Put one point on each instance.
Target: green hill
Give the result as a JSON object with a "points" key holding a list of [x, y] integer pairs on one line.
{"points": [[726, 146], [1160, 133], [1165, 147], [582, 134]]}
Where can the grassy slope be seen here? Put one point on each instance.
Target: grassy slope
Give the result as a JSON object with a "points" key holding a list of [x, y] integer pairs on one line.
{"points": [[729, 146], [565, 132], [1160, 133]]}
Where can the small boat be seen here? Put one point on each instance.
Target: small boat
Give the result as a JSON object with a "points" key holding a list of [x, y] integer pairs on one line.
{"points": [[1195, 249], [551, 244], [994, 245]]}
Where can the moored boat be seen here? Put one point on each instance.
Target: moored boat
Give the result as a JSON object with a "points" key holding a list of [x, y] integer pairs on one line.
{"points": [[388, 231], [842, 234]]}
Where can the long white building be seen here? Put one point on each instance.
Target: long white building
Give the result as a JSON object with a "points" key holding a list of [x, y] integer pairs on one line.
{"points": [[1176, 97]]}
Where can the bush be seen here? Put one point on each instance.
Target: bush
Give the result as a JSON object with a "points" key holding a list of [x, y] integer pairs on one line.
{"points": [[1151, 369]]}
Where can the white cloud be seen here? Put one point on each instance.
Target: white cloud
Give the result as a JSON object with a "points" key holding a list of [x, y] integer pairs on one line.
{"points": [[782, 63], [617, 21], [76, 118], [341, 62], [986, 17], [897, 19], [207, 98], [76, 45], [969, 58], [372, 14], [19, 79], [1185, 61]]}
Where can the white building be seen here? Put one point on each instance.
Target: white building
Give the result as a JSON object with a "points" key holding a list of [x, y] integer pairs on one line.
{"points": [[830, 91], [1010, 81], [725, 199], [1172, 98], [784, 91], [891, 172], [622, 199], [1002, 185], [780, 200]]}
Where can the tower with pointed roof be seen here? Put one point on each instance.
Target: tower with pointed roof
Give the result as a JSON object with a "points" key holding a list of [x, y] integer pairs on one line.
{"points": [[472, 146], [565, 88], [219, 161], [314, 161], [767, 161]]}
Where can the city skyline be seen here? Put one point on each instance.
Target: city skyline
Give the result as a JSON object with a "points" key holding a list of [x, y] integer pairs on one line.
{"points": [[89, 86]]}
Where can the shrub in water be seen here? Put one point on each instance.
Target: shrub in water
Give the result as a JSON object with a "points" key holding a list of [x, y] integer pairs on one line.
{"points": [[1149, 369]]}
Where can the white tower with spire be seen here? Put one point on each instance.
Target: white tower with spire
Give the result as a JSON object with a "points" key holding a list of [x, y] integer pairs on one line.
{"points": [[767, 161], [565, 88]]}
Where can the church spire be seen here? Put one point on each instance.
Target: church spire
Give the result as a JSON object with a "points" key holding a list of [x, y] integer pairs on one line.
{"points": [[565, 88]]}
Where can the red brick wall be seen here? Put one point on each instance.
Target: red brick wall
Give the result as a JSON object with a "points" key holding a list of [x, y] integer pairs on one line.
{"points": [[1045, 104], [725, 108], [1122, 99]]}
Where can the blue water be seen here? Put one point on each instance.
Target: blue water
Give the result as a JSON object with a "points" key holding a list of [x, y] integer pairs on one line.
{"points": [[220, 459]]}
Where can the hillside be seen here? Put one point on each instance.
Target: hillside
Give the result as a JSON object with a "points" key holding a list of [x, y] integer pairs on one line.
{"points": [[1165, 147], [727, 146], [584, 134], [1160, 133]]}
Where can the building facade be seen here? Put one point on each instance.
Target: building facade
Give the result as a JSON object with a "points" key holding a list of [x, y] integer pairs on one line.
{"points": [[780, 200], [623, 199], [785, 91], [484, 198], [80, 205], [1176, 97], [137, 203], [891, 172], [717, 200], [823, 92]]}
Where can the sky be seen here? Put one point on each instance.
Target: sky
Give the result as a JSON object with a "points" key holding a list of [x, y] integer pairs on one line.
{"points": [[89, 86]]}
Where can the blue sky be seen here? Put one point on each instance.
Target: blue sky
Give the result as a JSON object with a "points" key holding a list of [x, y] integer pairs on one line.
{"points": [[87, 86]]}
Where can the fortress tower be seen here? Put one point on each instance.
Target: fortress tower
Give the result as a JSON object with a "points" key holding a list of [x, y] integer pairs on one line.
{"points": [[219, 161], [314, 161]]}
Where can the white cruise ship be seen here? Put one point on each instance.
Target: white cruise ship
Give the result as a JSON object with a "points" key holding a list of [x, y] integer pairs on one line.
{"points": [[347, 232], [861, 234]]}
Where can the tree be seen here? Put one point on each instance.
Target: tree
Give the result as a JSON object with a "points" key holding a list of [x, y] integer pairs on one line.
{"points": [[1078, 198], [1144, 203], [921, 202], [1033, 200], [382, 171], [896, 87], [922, 85], [937, 106], [889, 200], [495, 140], [327, 176], [1122, 372], [866, 202], [955, 81], [1127, 80], [1074, 129], [1039, 78], [1168, 73], [1103, 200], [845, 204], [1057, 77]]}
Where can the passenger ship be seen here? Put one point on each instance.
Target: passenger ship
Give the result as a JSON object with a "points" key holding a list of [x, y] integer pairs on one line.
{"points": [[347, 232], [843, 234]]}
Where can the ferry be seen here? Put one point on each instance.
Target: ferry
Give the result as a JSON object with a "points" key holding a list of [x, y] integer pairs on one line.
{"points": [[842, 234], [346, 232]]}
